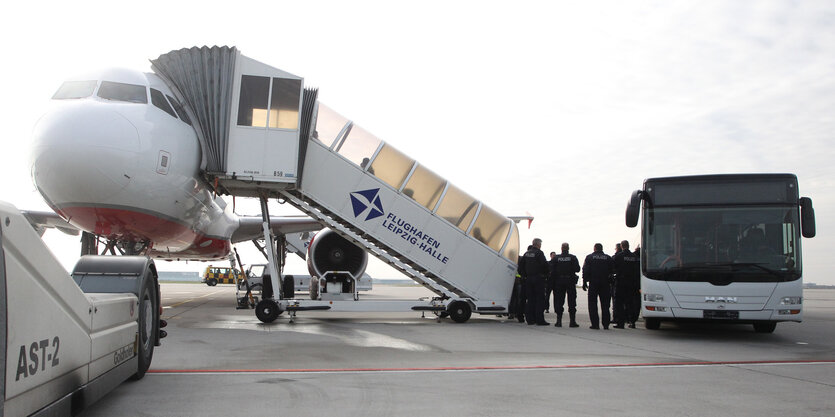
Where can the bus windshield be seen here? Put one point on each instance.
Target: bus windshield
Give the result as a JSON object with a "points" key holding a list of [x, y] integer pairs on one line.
{"points": [[721, 244]]}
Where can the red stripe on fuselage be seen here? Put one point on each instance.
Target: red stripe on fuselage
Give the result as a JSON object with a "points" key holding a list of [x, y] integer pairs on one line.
{"points": [[170, 239]]}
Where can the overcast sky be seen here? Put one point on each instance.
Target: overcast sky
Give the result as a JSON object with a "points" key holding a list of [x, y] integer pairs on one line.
{"points": [[554, 108]]}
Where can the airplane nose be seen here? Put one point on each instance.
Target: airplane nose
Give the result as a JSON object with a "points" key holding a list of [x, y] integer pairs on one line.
{"points": [[83, 152]]}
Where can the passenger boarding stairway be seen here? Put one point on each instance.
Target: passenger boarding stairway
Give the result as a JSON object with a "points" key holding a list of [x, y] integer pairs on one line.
{"points": [[264, 135], [405, 215]]}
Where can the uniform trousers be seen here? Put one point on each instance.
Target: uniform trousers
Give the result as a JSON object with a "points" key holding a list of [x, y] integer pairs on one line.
{"points": [[600, 291]]}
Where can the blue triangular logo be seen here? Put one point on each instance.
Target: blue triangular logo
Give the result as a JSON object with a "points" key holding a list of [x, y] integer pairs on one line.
{"points": [[369, 194], [371, 203], [359, 207], [373, 214]]}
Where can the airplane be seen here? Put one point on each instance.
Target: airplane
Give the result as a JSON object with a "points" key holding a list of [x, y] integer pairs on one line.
{"points": [[115, 156]]}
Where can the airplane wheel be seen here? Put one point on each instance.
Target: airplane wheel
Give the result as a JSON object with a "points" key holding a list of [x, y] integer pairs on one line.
{"points": [[267, 286], [459, 311], [765, 326], [289, 287], [148, 326], [267, 311], [652, 323]]}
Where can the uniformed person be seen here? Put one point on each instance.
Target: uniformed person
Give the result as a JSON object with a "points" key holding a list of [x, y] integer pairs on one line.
{"points": [[517, 299], [549, 283], [612, 288], [534, 269], [565, 267], [597, 268], [627, 286]]}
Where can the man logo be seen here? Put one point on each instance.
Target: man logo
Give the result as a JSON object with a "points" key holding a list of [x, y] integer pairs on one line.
{"points": [[367, 200]]}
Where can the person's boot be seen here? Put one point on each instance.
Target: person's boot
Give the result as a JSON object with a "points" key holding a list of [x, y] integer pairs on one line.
{"points": [[559, 321], [572, 315]]}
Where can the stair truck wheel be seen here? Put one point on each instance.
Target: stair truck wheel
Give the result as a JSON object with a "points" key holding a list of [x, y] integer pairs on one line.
{"points": [[148, 325], [267, 310], [459, 311]]}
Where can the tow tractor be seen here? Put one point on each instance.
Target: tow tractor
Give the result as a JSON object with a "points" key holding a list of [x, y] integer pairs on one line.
{"points": [[68, 340]]}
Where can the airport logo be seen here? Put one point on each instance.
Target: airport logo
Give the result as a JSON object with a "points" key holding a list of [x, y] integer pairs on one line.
{"points": [[367, 201]]}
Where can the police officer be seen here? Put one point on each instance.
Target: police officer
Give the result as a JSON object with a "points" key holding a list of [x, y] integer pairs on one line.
{"points": [[517, 299], [597, 268], [627, 285], [534, 268], [565, 267], [549, 283], [612, 289]]}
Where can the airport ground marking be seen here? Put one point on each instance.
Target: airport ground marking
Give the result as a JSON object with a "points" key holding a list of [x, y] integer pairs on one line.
{"points": [[191, 299], [485, 368]]}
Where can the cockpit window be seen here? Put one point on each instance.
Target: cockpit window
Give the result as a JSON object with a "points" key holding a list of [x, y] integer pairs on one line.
{"points": [[123, 92], [158, 100], [180, 111], [75, 89]]}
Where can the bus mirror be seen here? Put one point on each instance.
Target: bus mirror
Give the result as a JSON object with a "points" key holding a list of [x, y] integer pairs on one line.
{"points": [[633, 209], [807, 217]]}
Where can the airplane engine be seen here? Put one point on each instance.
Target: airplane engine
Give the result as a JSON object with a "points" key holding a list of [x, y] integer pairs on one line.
{"points": [[328, 251]]}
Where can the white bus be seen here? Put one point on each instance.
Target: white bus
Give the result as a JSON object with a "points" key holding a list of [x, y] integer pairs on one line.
{"points": [[722, 248]]}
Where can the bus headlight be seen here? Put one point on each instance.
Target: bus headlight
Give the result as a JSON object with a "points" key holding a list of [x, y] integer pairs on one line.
{"points": [[653, 297], [791, 300]]}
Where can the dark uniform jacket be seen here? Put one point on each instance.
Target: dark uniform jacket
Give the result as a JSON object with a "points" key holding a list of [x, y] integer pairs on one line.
{"points": [[564, 267], [628, 269], [533, 263], [597, 267]]}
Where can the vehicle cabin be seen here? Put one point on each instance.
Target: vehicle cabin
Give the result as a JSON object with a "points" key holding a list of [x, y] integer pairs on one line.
{"points": [[220, 275]]}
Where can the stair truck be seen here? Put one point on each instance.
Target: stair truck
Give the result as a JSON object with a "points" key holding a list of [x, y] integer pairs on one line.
{"points": [[67, 340], [265, 135]]}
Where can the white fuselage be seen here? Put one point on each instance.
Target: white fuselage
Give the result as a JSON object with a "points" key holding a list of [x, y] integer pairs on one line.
{"points": [[127, 170]]}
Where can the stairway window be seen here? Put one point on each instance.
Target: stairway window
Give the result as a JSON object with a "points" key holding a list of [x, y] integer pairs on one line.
{"points": [[284, 103], [490, 228], [458, 208], [391, 166], [252, 106], [425, 187]]}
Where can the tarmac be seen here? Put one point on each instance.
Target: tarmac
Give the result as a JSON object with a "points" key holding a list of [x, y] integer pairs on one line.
{"points": [[220, 361]]}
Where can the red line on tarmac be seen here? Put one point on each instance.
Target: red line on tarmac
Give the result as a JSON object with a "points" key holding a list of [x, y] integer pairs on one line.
{"points": [[485, 368]]}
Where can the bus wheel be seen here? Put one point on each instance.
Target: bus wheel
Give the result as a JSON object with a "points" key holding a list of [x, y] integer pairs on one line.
{"points": [[211, 282], [652, 323], [765, 326]]}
